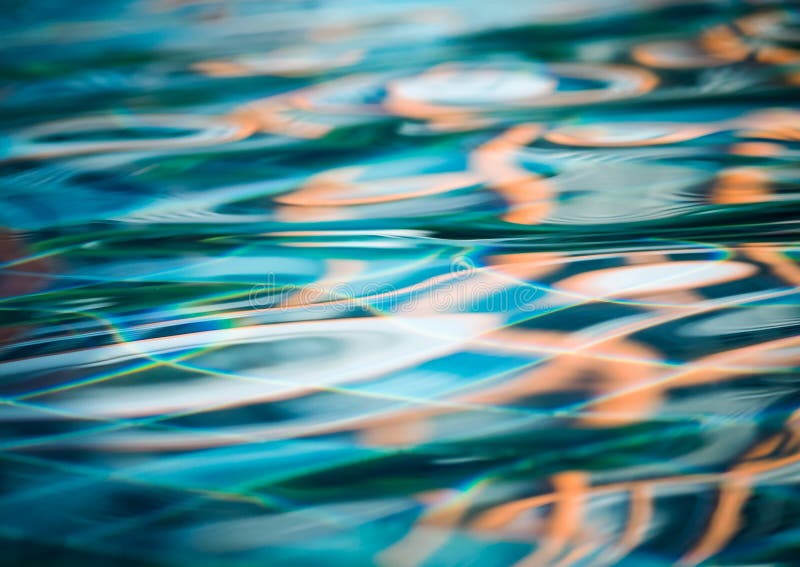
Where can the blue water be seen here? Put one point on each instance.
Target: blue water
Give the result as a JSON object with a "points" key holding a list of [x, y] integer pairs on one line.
{"points": [[399, 283]]}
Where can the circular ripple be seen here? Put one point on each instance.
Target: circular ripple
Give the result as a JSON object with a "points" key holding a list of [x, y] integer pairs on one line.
{"points": [[682, 55], [621, 135], [542, 186], [295, 62], [115, 133], [442, 92], [459, 87]]}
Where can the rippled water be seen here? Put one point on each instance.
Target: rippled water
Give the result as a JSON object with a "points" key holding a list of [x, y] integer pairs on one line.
{"points": [[399, 283]]}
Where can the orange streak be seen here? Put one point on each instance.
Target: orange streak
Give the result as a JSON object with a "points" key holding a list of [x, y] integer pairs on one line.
{"points": [[741, 185], [724, 523], [527, 194], [570, 488], [782, 267]]}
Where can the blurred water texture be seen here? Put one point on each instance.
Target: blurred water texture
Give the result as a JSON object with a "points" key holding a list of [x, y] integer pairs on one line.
{"points": [[399, 283]]}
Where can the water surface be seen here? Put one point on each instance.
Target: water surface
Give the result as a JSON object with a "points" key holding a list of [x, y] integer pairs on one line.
{"points": [[399, 283]]}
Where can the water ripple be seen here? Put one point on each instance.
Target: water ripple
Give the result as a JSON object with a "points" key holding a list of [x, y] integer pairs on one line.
{"points": [[406, 283]]}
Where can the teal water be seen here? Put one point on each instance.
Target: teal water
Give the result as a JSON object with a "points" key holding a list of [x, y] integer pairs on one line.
{"points": [[399, 283]]}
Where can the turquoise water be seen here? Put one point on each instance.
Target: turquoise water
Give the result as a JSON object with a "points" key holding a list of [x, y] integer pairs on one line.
{"points": [[399, 283]]}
